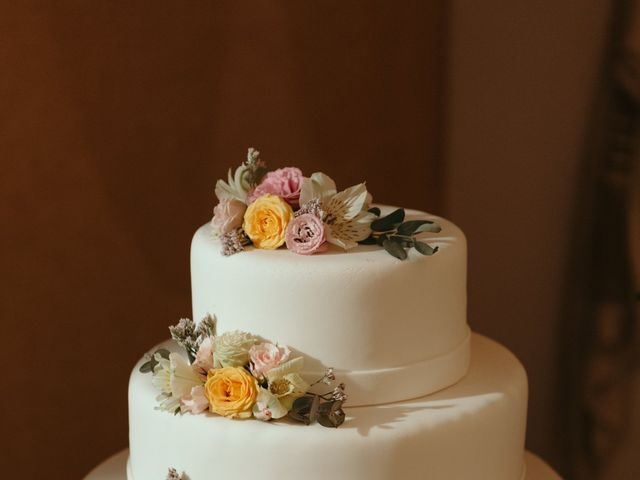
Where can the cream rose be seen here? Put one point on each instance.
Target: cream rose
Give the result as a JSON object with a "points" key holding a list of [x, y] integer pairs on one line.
{"points": [[231, 392], [266, 220]]}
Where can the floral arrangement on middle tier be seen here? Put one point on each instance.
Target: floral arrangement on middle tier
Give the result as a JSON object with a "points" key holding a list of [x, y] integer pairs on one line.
{"points": [[238, 375], [269, 209]]}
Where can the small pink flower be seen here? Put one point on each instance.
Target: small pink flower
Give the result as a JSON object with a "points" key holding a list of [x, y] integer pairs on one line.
{"points": [[306, 235], [195, 402], [204, 358], [262, 412], [228, 215], [266, 356], [284, 182]]}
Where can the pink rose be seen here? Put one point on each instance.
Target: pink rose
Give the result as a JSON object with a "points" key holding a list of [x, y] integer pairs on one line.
{"points": [[228, 215], [204, 358], [284, 182], [265, 356], [306, 234], [195, 402]]}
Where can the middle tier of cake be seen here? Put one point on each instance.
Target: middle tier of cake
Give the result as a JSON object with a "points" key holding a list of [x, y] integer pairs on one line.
{"points": [[474, 429], [393, 330]]}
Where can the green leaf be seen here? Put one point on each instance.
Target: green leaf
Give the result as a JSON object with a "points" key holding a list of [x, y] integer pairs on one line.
{"points": [[301, 409], [428, 227], [412, 226], [330, 414], [424, 248], [370, 240], [313, 412], [390, 222], [164, 353], [375, 210], [147, 367], [394, 246]]}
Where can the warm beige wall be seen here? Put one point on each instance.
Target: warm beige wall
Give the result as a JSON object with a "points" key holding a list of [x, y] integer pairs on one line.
{"points": [[521, 79]]}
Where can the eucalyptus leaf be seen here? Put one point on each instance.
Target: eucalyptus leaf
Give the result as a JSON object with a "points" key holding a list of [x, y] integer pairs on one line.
{"points": [[164, 353], [330, 414], [301, 409], [380, 240], [428, 227], [390, 222], [394, 246], [411, 226], [424, 248], [375, 210], [147, 367], [313, 412], [370, 240]]}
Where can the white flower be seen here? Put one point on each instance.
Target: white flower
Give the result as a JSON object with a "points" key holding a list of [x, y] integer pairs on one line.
{"points": [[173, 377], [345, 213], [236, 187], [195, 402], [286, 384], [231, 349], [268, 406]]}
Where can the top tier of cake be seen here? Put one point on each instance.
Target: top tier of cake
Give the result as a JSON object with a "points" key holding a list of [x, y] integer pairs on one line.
{"points": [[392, 329]]}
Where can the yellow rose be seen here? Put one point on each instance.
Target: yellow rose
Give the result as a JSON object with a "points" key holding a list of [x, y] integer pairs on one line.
{"points": [[266, 220], [231, 391]]}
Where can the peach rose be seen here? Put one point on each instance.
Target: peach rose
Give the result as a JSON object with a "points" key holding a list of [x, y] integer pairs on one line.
{"points": [[266, 220], [228, 215], [231, 392]]}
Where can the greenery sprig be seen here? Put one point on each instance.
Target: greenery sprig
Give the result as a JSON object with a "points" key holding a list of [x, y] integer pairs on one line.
{"points": [[396, 235]]}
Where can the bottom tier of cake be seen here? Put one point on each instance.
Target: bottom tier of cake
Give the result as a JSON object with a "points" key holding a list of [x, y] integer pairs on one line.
{"points": [[474, 429]]}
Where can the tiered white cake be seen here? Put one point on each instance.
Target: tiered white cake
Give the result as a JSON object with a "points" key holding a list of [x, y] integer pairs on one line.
{"points": [[395, 332]]}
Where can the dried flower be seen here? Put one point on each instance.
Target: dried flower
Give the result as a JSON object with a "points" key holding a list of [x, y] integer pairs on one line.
{"points": [[338, 393], [174, 475], [190, 336], [233, 242], [313, 207]]}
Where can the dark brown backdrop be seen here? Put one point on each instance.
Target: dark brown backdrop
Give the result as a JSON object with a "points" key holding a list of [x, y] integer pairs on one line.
{"points": [[116, 119]]}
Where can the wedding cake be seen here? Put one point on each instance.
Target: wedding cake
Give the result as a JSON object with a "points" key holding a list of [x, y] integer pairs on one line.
{"points": [[335, 313]]}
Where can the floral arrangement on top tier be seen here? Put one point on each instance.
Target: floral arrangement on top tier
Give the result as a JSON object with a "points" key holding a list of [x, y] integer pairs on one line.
{"points": [[237, 375], [269, 209]]}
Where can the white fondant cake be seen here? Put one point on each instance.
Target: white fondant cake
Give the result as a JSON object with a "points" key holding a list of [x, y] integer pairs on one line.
{"points": [[394, 331], [380, 322], [471, 430]]}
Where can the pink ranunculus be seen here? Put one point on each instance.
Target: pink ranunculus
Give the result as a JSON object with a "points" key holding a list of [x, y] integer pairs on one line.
{"points": [[265, 356], [204, 358], [195, 402], [306, 235], [284, 182], [228, 215]]}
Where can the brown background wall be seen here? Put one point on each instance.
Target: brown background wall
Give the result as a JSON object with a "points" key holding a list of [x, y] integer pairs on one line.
{"points": [[117, 117]]}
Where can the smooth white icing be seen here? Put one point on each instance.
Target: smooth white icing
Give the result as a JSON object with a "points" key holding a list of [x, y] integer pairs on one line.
{"points": [[471, 430], [374, 318]]}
